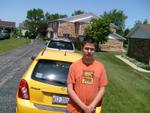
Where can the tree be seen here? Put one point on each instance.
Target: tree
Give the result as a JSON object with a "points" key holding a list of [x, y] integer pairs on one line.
{"points": [[78, 12], [35, 18], [37, 22], [118, 18], [51, 17], [138, 22], [145, 21], [99, 30], [17, 33], [126, 31]]}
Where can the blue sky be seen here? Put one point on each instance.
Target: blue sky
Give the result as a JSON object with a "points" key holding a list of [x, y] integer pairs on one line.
{"points": [[16, 10]]}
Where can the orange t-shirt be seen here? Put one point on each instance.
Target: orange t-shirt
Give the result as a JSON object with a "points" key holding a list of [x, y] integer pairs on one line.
{"points": [[87, 80]]}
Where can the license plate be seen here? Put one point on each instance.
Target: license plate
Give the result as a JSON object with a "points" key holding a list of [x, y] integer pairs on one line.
{"points": [[60, 99]]}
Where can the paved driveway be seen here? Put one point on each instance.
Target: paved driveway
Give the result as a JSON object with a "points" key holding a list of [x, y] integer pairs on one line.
{"points": [[12, 65]]}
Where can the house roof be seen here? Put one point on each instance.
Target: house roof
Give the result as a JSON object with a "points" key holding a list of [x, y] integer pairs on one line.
{"points": [[114, 26], [86, 17], [116, 36], [141, 31], [7, 24]]}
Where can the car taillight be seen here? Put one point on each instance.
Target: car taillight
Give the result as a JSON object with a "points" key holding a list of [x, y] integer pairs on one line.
{"points": [[23, 90]]}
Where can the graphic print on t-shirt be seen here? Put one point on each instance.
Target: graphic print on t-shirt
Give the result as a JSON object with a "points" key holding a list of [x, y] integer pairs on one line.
{"points": [[87, 76]]}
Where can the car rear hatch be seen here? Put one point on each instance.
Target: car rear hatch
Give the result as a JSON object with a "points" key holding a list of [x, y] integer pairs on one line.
{"points": [[47, 86]]}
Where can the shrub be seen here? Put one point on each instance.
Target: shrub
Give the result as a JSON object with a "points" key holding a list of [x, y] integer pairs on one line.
{"points": [[137, 63], [78, 44]]}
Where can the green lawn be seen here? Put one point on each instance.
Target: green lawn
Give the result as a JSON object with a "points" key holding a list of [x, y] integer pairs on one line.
{"points": [[128, 90], [12, 43]]}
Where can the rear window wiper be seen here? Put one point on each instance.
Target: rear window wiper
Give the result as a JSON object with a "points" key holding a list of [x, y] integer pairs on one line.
{"points": [[52, 81], [60, 82]]}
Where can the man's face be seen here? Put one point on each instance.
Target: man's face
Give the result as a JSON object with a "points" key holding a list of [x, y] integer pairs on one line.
{"points": [[88, 50]]}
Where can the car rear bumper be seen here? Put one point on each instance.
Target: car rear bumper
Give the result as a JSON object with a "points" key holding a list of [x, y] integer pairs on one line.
{"points": [[25, 106]]}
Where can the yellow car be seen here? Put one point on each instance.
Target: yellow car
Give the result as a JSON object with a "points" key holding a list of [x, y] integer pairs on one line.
{"points": [[42, 88]]}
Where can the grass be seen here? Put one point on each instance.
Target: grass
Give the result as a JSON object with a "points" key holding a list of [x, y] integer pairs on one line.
{"points": [[12, 43], [128, 90]]}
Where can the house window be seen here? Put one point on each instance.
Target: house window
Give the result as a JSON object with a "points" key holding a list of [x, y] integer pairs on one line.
{"points": [[55, 25], [66, 35], [51, 25], [51, 34]]}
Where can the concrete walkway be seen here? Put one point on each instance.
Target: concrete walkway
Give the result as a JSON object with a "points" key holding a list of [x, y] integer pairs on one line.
{"points": [[131, 64]]}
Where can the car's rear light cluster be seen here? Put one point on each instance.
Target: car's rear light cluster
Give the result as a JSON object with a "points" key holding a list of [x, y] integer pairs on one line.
{"points": [[23, 91]]}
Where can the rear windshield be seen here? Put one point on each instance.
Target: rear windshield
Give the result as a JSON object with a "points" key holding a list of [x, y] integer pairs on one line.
{"points": [[60, 45], [52, 72]]}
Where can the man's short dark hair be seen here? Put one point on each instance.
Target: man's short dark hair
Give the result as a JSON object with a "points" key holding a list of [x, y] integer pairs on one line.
{"points": [[88, 40]]}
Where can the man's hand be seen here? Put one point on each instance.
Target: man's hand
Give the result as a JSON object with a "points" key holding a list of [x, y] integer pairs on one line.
{"points": [[89, 109]]}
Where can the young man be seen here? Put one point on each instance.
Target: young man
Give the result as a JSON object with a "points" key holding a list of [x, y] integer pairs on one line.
{"points": [[86, 81]]}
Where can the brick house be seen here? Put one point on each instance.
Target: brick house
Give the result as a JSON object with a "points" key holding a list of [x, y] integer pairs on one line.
{"points": [[114, 43], [23, 27], [114, 40], [72, 27], [7, 25], [139, 43]]}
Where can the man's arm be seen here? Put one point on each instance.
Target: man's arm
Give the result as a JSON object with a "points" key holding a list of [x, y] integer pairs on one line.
{"points": [[98, 97], [75, 98]]}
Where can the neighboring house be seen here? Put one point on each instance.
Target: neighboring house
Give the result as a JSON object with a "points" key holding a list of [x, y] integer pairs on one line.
{"points": [[114, 43], [75, 26], [139, 43], [7, 25], [114, 40], [72, 27], [23, 28]]}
